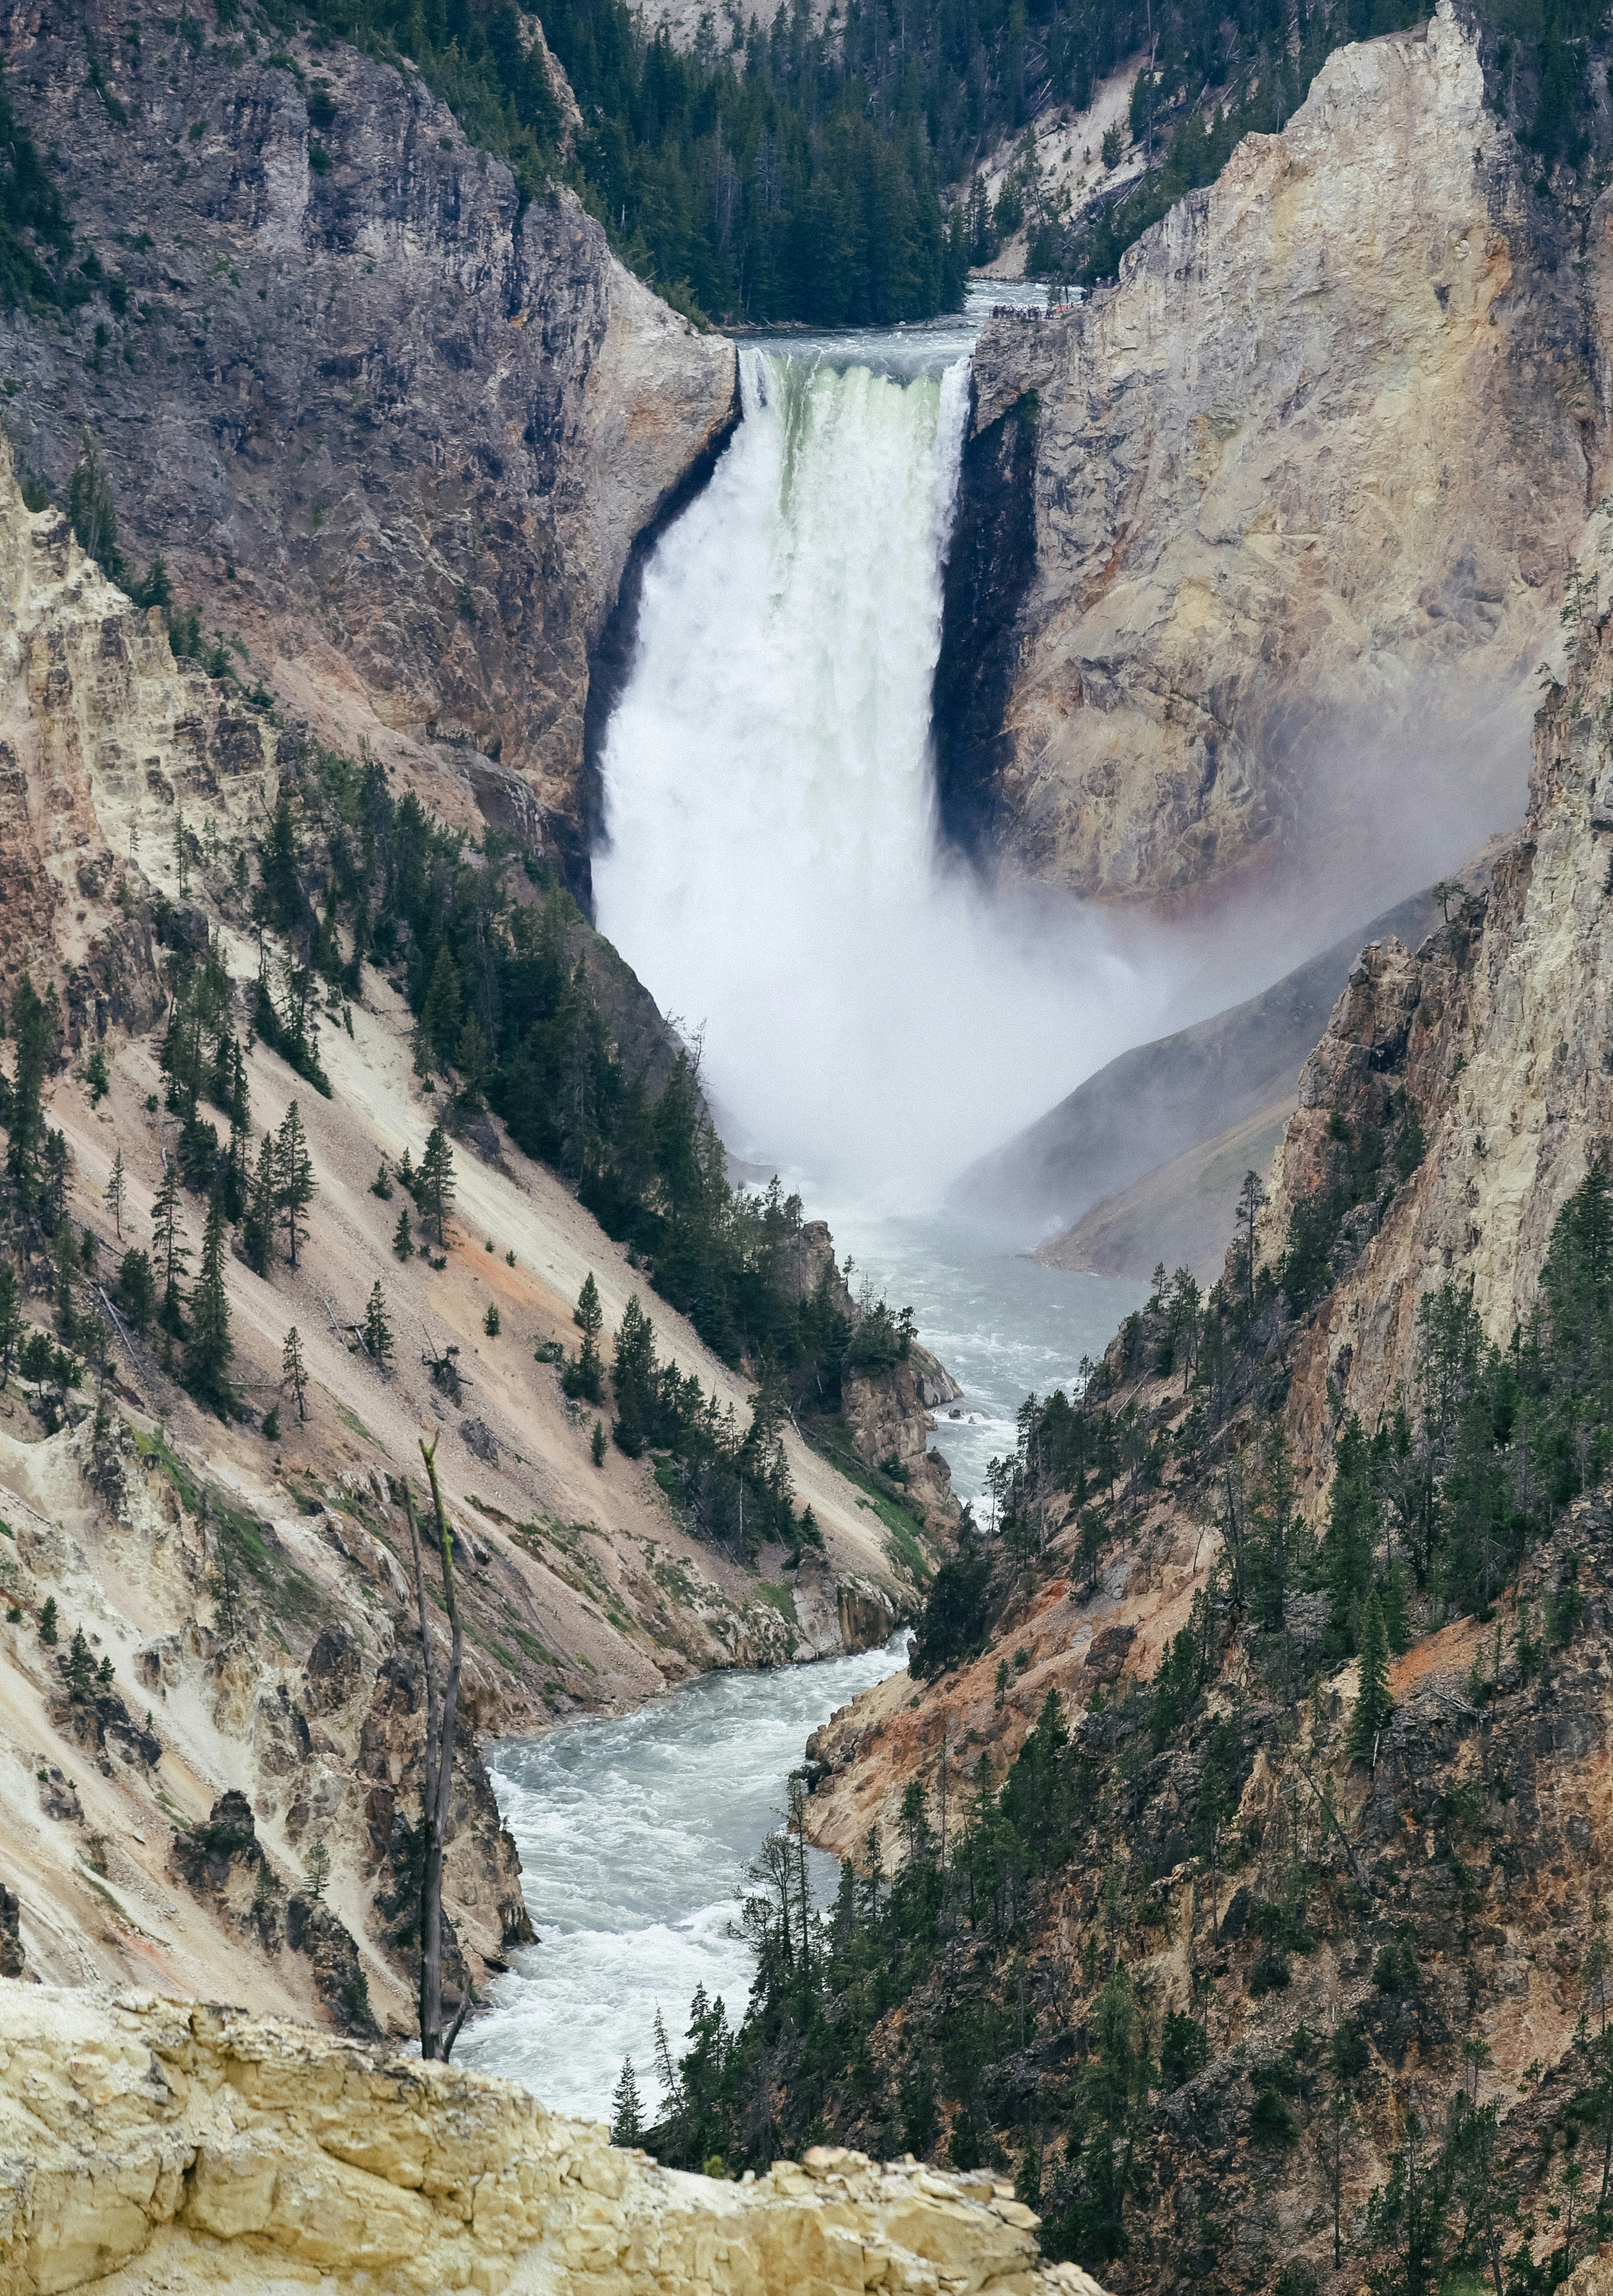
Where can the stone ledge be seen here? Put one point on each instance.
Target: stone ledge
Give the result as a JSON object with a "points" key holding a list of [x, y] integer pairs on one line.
{"points": [[148, 2144]]}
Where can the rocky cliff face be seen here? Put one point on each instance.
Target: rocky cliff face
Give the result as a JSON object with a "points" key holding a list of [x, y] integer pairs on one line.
{"points": [[1306, 475], [1366, 1926], [395, 430], [1495, 1029], [170, 2143]]}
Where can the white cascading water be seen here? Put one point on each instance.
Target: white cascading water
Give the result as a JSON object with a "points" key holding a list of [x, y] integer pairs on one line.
{"points": [[869, 1016]]}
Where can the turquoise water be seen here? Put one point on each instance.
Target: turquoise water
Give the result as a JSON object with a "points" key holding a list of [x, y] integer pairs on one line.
{"points": [[1003, 1326]]}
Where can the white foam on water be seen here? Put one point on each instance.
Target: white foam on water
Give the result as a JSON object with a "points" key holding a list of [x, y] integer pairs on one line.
{"points": [[634, 1833]]}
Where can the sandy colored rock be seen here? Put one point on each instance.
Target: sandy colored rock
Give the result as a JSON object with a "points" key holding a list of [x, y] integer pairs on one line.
{"points": [[153, 2145]]}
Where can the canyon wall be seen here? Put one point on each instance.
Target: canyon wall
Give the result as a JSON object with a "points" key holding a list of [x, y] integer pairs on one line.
{"points": [[1496, 1029], [246, 1586], [1259, 547], [392, 426], [1425, 1891], [178, 2147]]}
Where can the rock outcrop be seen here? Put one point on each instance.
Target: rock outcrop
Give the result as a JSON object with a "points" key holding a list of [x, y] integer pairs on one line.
{"points": [[888, 1417], [103, 737], [395, 426], [178, 2146], [1272, 530]]}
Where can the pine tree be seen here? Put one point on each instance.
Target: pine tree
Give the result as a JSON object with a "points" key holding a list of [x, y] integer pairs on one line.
{"points": [[437, 1180], [293, 1372], [237, 1180], [1397, 1610], [294, 1179], [380, 1185], [584, 1377], [491, 1322], [90, 511], [378, 1331], [171, 1253], [77, 1668], [277, 864], [470, 1059], [137, 1292], [258, 1228], [209, 1349], [11, 1317], [1373, 1704], [627, 2109], [57, 1162], [666, 2070], [635, 1375], [597, 1443], [439, 1014], [316, 1866], [224, 1587], [47, 1621], [33, 1028], [64, 1259], [403, 1243], [113, 1195]]}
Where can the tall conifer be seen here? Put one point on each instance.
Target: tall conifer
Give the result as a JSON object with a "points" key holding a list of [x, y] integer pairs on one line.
{"points": [[171, 1253], [437, 1180], [294, 1179], [1373, 1704], [208, 1348]]}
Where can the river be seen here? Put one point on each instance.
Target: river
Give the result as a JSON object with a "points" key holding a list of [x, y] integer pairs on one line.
{"points": [[634, 1833], [870, 1017]]}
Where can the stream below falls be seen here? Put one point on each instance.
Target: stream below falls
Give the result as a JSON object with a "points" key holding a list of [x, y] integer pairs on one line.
{"points": [[634, 1832]]}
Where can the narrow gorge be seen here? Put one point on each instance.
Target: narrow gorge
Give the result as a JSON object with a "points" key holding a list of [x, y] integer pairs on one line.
{"points": [[588, 868]]}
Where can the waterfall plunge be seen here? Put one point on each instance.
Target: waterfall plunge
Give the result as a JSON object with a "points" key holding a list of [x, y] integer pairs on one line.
{"points": [[870, 1015]]}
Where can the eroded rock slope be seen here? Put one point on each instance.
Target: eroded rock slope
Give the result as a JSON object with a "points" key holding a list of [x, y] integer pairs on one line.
{"points": [[247, 1590], [1181, 1859]]}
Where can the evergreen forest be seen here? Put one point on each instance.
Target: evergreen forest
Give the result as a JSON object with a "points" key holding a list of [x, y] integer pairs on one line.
{"points": [[824, 168]]}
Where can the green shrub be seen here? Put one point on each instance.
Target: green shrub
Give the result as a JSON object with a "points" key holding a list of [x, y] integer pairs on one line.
{"points": [[1395, 1970]]}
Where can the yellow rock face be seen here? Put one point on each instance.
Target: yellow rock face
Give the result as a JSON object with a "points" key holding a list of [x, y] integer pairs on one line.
{"points": [[158, 2146], [1304, 480]]}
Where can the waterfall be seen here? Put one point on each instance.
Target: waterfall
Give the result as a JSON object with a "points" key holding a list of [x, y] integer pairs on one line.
{"points": [[869, 1015]]}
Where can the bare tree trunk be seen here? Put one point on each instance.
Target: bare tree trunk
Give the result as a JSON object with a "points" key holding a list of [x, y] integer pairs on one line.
{"points": [[437, 1775]]}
